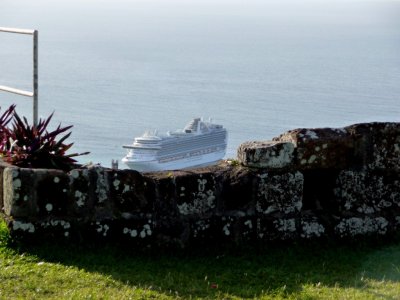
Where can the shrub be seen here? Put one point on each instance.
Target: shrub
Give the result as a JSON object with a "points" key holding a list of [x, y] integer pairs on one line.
{"points": [[34, 146], [5, 118]]}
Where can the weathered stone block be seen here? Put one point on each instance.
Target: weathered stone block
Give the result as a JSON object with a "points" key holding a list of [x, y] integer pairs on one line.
{"points": [[56, 228], [211, 230], [101, 177], [90, 192], [137, 229], [279, 193], [202, 229], [238, 229], [362, 226], [81, 193], [131, 192], [318, 190], [165, 194], [52, 191], [22, 226], [238, 190], [320, 147], [3, 165], [101, 230], [44, 229], [19, 192], [267, 154], [367, 192], [377, 144], [311, 228], [277, 229], [171, 231], [196, 194]]}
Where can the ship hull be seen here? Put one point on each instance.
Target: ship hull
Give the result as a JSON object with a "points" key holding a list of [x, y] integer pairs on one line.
{"points": [[174, 164]]}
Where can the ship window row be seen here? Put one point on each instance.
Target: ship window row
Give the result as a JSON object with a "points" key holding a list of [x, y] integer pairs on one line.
{"points": [[147, 142], [189, 154], [208, 149], [197, 138], [192, 145]]}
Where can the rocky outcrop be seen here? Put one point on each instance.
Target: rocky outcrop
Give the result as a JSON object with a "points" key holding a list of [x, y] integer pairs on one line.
{"points": [[304, 184]]}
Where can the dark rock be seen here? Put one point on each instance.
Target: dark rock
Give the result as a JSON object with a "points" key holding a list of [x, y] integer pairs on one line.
{"points": [[319, 186], [279, 193], [311, 228], [81, 193], [52, 187], [368, 192], [238, 190], [377, 145], [320, 148], [267, 154], [277, 229], [20, 192], [362, 226], [196, 194], [131, 192]]}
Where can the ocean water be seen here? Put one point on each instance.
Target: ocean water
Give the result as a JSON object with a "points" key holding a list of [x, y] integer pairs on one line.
{"points": [[114, 69]]}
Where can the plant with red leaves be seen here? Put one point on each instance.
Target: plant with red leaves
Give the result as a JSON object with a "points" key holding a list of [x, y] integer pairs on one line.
{"points": [[34, 146], [5, 118]]}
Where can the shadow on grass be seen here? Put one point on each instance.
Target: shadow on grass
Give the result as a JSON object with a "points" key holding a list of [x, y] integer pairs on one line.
{"points": [[282, 270]]}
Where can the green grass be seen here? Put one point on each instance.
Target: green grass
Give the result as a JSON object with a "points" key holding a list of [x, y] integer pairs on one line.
{"points": [[317, 271]]}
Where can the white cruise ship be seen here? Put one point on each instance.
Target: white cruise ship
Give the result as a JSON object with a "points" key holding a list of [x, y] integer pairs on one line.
{"points": [[200, 143]]}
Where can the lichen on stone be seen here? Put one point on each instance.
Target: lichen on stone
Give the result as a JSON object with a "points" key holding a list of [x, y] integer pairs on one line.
{"points": [[226, 230], [249, 224], [81, 198], [102, 228], [280, 193], [361, 226], [19, 225], [116, 183], [310, 134], [311, 229], [200, 226], [102, 187], [285, 225], [201, 200], [141, 232], [366, 192], [202, 184], [55, 223], [127, 188], [74, 174]]}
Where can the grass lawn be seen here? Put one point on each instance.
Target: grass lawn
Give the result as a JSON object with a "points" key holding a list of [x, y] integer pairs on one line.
{"points": [[317, 271]]}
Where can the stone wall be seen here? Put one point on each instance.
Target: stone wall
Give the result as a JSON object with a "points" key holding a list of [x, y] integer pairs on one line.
{"points": [[304, 184]]}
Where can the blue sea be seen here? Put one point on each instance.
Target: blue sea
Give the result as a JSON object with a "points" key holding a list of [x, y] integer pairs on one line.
{"points": [[115, 68]]}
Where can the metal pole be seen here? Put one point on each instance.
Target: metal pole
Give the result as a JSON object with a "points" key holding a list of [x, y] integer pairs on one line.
{"points": [[17, 30], [35, 77], [35, 92]]}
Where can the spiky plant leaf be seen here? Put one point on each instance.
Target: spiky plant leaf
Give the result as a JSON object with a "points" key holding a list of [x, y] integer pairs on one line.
{"points": [[37, 147], [5, 118]]}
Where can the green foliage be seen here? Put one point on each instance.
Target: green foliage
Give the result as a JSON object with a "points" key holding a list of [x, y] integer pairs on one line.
{"points": [[233, 162], [29, 146], [4, 234]]}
